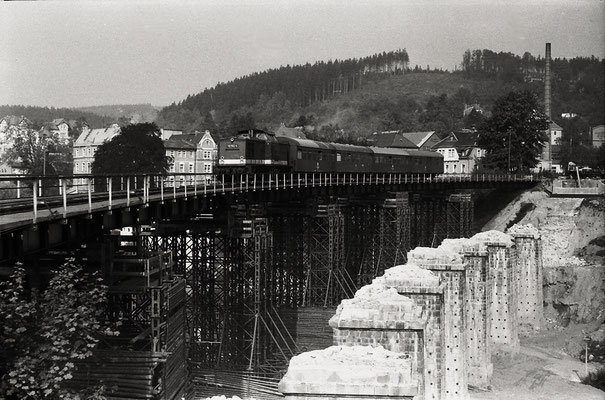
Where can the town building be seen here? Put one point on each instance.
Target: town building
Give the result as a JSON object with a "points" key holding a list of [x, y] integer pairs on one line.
{"points": [[193, 153], [166, 133], [460, 152], [10, 127], [597, 134], [394, 139], [550, 159], [61, 128], [405, 140], [468, 109], [85, 147]]}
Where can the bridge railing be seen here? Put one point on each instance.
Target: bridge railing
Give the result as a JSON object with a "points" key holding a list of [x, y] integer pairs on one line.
{"points": [[44, 195]]}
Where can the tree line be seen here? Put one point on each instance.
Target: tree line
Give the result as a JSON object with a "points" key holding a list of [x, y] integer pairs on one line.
{"points": [[41, 115], [292, 86]]}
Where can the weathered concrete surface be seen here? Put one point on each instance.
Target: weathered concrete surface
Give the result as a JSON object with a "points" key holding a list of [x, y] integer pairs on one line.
{"points": [[358, 372]]}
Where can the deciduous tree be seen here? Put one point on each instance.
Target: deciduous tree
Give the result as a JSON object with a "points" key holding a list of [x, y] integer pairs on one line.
{"points": [[43, 335], [138, 149], [515, 133]]}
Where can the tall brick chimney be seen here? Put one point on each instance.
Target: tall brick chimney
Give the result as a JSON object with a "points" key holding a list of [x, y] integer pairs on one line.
{"points": [[547, 83]]}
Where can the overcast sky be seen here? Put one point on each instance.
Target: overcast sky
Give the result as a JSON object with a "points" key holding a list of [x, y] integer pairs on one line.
{"points": [[59, 53]]}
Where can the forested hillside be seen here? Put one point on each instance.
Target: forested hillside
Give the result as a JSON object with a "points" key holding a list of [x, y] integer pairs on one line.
{"points": [[125, 113], [348, 100], [40, 115]]}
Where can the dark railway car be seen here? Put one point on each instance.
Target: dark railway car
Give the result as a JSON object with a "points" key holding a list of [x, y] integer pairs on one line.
{"points": [[406, 161], [252, 150], [351, 158], [308, 155]]}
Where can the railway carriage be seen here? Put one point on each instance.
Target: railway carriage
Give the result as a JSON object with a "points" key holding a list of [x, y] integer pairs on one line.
{"points": [[258, 151], [407, 161]]}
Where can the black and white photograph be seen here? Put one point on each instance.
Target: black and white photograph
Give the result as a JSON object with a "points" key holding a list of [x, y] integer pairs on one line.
{"points": [[302, 200]]}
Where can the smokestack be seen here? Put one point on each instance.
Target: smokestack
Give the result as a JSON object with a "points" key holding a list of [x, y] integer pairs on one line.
{"points": [[547, 83]]}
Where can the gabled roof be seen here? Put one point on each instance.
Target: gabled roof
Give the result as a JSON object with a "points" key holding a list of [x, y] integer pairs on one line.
{"points": [[58, 121], [186, 141], [418, 138], [554, 126], [15, 120], [458, 140], [96, 137], [392, 139]]}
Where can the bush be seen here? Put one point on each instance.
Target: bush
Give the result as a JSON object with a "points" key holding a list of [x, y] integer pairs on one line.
{"points": [[596, 379]]}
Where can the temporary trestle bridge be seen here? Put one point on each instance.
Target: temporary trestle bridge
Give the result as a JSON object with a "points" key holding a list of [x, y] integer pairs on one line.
{"points": [[225, 278]]}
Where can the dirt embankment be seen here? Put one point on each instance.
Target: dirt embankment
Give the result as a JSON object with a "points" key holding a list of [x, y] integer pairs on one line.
{"points": [[547, 365], [573, 236]]}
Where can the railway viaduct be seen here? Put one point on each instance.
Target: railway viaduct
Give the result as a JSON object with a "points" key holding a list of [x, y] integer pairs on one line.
{"points": [[228, 273]]}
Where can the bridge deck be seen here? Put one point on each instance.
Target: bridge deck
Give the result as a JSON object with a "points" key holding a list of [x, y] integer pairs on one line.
{"points": [[28, 206]]}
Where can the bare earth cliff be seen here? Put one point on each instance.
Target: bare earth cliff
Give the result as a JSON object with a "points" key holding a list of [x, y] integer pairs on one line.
{"points": [[573, 235]]}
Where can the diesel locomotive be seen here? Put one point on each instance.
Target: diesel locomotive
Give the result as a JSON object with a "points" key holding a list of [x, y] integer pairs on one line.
{"points": [[257, 151]]}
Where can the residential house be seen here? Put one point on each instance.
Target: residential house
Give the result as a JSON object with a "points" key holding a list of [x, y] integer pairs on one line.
{"points": [[85, 147], [468, 109], [391, 139], [166, 133], [10, 127], [597, 134], [550, 158], [193, 153], [405, 140], [460, 152], [60, 127]]}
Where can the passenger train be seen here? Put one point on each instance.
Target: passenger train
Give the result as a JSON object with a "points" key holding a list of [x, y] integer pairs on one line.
{"points": [[257, 151]]}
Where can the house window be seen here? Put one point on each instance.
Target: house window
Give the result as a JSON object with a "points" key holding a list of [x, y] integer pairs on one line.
{"points": [[181, 167], [77, 152], [447, 168], [190, 167], [463, 168], [77, 167], [299, 155], [338, 157], [207, 155], [455, 165], [207, 168], [171, 167]]}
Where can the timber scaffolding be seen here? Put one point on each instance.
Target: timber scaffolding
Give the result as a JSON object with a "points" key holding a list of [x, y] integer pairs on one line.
{"points": [[145, 361]]}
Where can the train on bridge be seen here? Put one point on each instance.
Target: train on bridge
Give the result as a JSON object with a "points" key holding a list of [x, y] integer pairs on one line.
{"points": [[255, 150]]}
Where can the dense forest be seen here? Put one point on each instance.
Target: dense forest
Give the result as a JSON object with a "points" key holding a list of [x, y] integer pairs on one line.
{"points": [[347, 100], [135, 113], [272, 90]]}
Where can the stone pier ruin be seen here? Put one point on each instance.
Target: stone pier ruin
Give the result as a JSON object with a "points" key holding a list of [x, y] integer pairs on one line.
{"points": [[445, 312]]}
